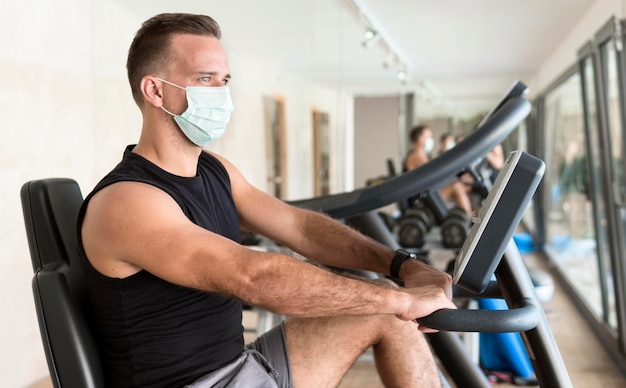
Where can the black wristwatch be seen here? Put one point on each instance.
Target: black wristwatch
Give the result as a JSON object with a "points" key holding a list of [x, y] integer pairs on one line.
{"points": [[398, 258]]}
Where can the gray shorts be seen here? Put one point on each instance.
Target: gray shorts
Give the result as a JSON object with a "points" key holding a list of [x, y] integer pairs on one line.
{"points": [[264, 363]]}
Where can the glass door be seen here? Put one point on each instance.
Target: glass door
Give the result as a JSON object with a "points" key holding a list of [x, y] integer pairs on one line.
{"points": [[587, 188], [569, 222], [595, 186], [582, 119], [610, 94]]}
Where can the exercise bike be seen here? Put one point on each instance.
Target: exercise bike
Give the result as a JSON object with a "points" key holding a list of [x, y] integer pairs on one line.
{"points": [[489, 249]]}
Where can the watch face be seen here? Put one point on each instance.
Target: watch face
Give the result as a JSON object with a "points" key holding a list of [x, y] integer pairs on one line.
{"points": [[401, 254]]}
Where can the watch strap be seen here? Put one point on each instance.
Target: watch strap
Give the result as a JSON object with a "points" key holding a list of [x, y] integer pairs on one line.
{"points": [[399, 257]]}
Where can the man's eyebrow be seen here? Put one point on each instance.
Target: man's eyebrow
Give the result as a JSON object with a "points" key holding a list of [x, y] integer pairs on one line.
{"points": [[213, 73]]}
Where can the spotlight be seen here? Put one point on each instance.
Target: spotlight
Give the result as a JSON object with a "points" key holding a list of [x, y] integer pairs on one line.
{"points": [[370, 38], [402, 75]]}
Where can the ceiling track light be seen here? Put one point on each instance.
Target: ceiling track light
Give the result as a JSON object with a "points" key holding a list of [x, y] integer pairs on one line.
{"points": [[402, 75], [375, 33], [395, 57], [370, 38]]}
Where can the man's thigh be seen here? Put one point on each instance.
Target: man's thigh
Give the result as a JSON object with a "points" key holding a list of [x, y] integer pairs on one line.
{"points": [[321, 350]]}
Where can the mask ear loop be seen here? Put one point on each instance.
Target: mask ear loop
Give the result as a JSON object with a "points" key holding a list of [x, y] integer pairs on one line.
{"points": [[170, 83], [173, 84], [168, 112]]}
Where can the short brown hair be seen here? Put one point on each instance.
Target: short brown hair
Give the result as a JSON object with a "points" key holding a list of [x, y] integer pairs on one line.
{"points": [[150, 50], [416, 132]]}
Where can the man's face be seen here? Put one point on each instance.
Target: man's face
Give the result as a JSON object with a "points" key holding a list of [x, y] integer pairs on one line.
{"points": [[427, 134], [427, 140], [198, 61], [447, 143]]}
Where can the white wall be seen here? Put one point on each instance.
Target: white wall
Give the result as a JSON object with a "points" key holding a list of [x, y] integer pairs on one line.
{"points": [[46, 121], [566, 54], [66, 110], [117, 120]]}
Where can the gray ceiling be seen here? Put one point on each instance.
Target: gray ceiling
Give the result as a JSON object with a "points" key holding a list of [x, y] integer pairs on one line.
{"points": [[463, 52]]}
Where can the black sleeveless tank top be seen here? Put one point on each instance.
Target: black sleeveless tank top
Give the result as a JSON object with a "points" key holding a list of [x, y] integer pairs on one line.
{"points": [[152, 333]]}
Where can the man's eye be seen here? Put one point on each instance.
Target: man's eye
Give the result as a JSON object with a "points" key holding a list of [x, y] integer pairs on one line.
{"points": [[226, 80], [205, 79]]}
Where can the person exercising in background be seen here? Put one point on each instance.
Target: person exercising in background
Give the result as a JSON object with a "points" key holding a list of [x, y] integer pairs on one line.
{"points": [[422, 144], [446, 142], [495, 161], [159, 242]]}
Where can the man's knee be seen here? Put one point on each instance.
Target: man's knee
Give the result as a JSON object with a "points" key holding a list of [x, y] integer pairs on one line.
{"points": [[390, 326]]}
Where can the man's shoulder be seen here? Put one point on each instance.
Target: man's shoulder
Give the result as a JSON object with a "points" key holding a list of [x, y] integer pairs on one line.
{"points": [[213, 158], [225, 167], [128, 193], [415, 159]]}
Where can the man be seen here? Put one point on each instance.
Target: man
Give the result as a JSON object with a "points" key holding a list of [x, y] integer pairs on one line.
{"points": [[159, 239], [422, 144]]}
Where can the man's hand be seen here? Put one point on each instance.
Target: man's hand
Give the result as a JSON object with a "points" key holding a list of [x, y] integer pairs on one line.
{"points": [[423, 301], [418, 274], [431, 290]]}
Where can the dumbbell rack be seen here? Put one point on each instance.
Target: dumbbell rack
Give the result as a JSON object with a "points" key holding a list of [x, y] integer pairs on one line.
{"points": [[426, 211]]}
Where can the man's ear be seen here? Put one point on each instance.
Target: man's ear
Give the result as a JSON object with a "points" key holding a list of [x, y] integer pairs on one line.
{"points": [[151, 90]]}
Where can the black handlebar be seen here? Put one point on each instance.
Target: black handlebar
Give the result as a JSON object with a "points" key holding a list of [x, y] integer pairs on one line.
{"points": [[522, 318], [444, 167]]}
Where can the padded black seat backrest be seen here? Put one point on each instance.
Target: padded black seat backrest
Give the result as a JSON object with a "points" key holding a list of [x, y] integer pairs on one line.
{"points": [[50, 208]]}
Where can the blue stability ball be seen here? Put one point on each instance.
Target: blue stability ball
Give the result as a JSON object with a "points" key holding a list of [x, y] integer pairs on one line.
{"points": [[503, 352]]}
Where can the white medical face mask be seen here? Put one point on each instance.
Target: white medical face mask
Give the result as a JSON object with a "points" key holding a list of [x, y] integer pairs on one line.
{"points": [[208, 112], [429, 144], [450, 145]]}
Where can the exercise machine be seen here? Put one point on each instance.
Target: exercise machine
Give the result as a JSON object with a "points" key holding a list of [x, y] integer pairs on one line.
{"points": [[490, 250]]}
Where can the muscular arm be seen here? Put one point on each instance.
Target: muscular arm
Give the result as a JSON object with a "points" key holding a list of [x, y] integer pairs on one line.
{"points": [[131, 226], [311, 234], [320, 238]]}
